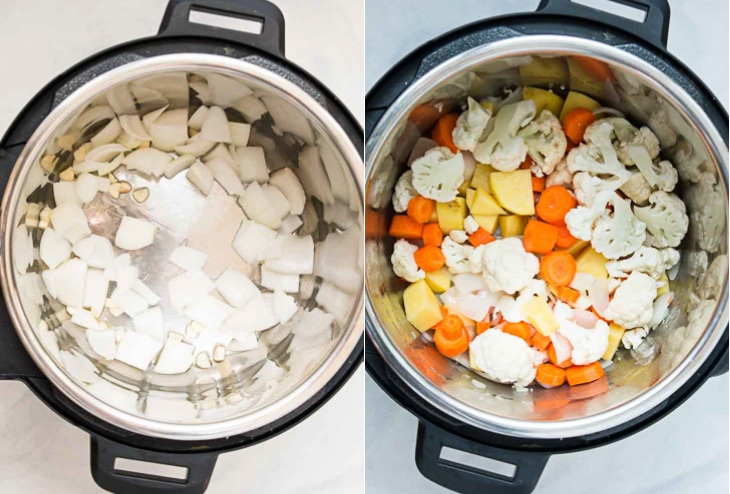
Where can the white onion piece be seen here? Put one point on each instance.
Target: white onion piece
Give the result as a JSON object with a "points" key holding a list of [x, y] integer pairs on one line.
{"points": [[168, 137], [96, 251], [49, 280], [563, 348], [132, 125], [188, 258], [176, 358], [336, 259], [284, 306], [195, 146], [335, 301], [179, 164], [125, 277], [152, 117], [335, 171], [146, 292], [130, 302], [173, 86], [604, 110], [150, 322], [225, 176], [339, 214], [70, 279], [256, 205], [137, 350], [93, 114], [215, 126], [146, 160], [115, 267], [251, 162], [252, 241], [467, 283], [201, 90], [290, 224], [288, 118], [84, 318], [196, 119], [278, 202], [312, 175], [661, 307], [135, 233], [250, 107], [95, 291], [87, 186], [107, 168], [598, 296], [87, 166], [121, 100], [102, 342], [65, 193], [582, 281], [255, 315], [105, 153], [672, 272], [272, 280], [287, 181], [472, 306], [585, 319], [221, 151], [240, 132], [244, 341], [209, 311], [224, 91], [235, 287], [70, 221], [297, 255], [53, 249], [506, 305], [201, 177], [108, 134], [188, 287]]}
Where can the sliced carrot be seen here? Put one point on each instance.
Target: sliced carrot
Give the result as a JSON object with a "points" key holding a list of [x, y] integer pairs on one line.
{"points": [[549, 375], [558, 268], [527, 164], [480, 237], [575, 123], [429, 258], [432, 234], [565, 239], [539, 341], [451, 338], [538, 184], [519, 329], [441, 132], [421, 208], [539, 237], [426, 114], [597, 69], [567, 294], [482, 326], [581, 374], [552, 356], [450, 325], [555, 202], [404, 226], [444, 312]]}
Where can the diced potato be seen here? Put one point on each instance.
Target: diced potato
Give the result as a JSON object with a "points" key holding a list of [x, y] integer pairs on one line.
{"points": [[582, 82], [451, 214], [422, 306], [577, 100], [545, 71], [470, 197], [544, 100], [591, 262], [661, 290], [484, 203], [439, 281], [513, 191], [512, 225], [577, 247], [473, 364], [463, 188], [481, 177], [538, 313], [615, 332], [489, 223], [434, 216]]}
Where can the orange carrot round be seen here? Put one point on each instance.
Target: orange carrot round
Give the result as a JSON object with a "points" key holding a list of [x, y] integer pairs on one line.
{"points": [[429, 258], [420, 208], [451, 337], [432, 234], [480, 237], [555, 202], [403, 226], [441, 133], [565, 239], [567, 294], [540, 341], [575, 123], [597, 69], [558, 268], [539, 237], [549, 375], [538, 184], [527, 164], [482, 326], [552, 356], [519, 329], [581, 374]]}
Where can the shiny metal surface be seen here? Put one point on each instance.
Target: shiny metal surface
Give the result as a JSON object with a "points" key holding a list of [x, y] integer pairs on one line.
{"points": [[199, 404], [698, 316]]}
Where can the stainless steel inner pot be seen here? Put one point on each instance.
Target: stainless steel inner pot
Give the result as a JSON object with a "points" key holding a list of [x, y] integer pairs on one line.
{"points": [[226, 399], [639, 380]]}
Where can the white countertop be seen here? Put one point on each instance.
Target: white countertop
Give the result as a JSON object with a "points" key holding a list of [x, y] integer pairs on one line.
{"points": [[685, 453], [41, 452]]}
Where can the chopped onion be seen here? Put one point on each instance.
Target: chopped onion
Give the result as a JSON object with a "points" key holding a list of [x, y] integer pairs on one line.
{"points": [[257, 207], [336, 259], [135, 233], [200, 176], [115, 268], [272, 280], [87, 186], [215, 126], [152, 116], [582, 281], [250, 107], [278, 202], [84, 318], [598, 296], [287, 181], [188, 287], [240, 132], [168, 137], [312, 175], [201, 90], [130, 302], [335, 301], [225, 176], [92, 115], [672, 272], [288, 118], [284, 306], [53, 249], [132, 125], [105, 153], [335, 170], [96, 288], [197, 118], [137, 350], [252, 241], [70, 221], [146, 160], [188, 258], [176, 358], [150, 322], [467, 283], [70, 278], [179, 164], [584, 318], [251, 163], [121, 100], [563, 348], [297, 255], [102, 342], [106, 135], [107, 168], [604, 110], [195, 147], [146, 292], [209, 311], [472, 306], [173, 86], [255, 315], [224, 91], [661, 308], [220, 151], [65, 193], [235, 287], [290, 224]]}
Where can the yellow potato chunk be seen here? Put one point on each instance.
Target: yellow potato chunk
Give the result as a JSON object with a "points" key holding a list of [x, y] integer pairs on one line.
{"points": [[577, 247], [422, 306], [439, 281], [544, 72], [483, 203], [591, 262], [615, 332], [577, 100], [544, 100], [582, 82], [481, 177], [451, 214], [512, 225], [489, 223], [538, 313], [513, 191]]}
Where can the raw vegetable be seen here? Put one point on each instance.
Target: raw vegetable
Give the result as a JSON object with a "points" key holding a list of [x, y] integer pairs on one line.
{"points": [[188, 287], [257, 207], [225, 176], [544, 100], [484, 204], [134, 233], [539, 237], [403, 226], [558, 268], [513, 191], [546, 143], [565, 239], [489, 223], [432, 234], [188, 258], [470, 126], [200, 176], [480, 237], [506, 266], [438, 174], [591, 262], [441, 133], [581, 374], [253, 240], [512, 225], [439, 281], [420, 209], [538, 313], [538, 184], [575, 123], [481, 177], [421, 306], [451, 337], [288, 183], [251, 163], [518, 329], [312, 175], [554, 204], [539, 341], [215, 126], [235, 287], [549, 376], [451, 214], [429, 258], [54, 249], [615, 333], [503, 149], [272, 280], [297, 255]]}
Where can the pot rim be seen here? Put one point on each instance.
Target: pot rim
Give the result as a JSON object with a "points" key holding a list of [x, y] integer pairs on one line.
{"points": [[658, 393], [35, 146]]}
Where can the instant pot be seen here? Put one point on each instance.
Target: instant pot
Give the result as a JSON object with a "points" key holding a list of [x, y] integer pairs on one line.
{"points": [[458, 409], [184, 420]]}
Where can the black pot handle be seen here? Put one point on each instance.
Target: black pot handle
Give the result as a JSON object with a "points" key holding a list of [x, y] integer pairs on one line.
{"points": [[105, 452], [176, 22], [466, 479], [654, 29]]}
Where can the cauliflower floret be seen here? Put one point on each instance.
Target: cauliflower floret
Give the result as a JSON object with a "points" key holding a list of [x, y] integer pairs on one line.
{"points": [[634, 338], [620, 234], [600, 135], [642, 137], [589, 345], [633, 302], [475, 258], [470, 126], [404, 192], [457, 257], [503, 148], [587, 187], [662, 176], [511, 308], [438, 174], [706, 202], [404, 264], [637, 189], [503, 358], [580, 220], [647, 260], [587, 158], [546, 143], [665, 218], [506, 266], [659, 123], [470, 225], [561, 175], [458, 236], [710, 285], [690, 164]]}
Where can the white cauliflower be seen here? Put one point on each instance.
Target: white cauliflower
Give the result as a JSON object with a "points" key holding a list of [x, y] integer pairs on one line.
{"points": [[470, 126], [506, 266], [665, 218], [632, 305], [707, 204], [404, 192], [620, 234], [561, 175], [589, 345], [438, 174], [633, 338], [661, 176], [659, 124], [470, 225], [511, 308], [457, 257], [503, 358], [642, 137], [586, 187], [503, 148], [546, 142], [580, 220], [600, 135], [710, 285], [404, 264], [637, 189], [458, 236], [647, 260], [691, 164]]}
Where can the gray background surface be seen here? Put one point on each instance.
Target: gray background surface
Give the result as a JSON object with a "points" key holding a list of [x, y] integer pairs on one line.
{"points": [[685, 453], [40, 452]]}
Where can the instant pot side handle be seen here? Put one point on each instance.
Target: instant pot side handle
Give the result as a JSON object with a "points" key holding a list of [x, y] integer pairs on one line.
{"points": [[456, 463], [270, 39]]}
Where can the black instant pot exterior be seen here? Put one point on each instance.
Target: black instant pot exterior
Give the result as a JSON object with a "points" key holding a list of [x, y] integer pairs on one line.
{"points": [[437, 429], [176, 35]]}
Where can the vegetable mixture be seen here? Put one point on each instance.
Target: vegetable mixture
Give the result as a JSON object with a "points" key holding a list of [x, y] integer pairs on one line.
{"points": [[536, 242]]}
